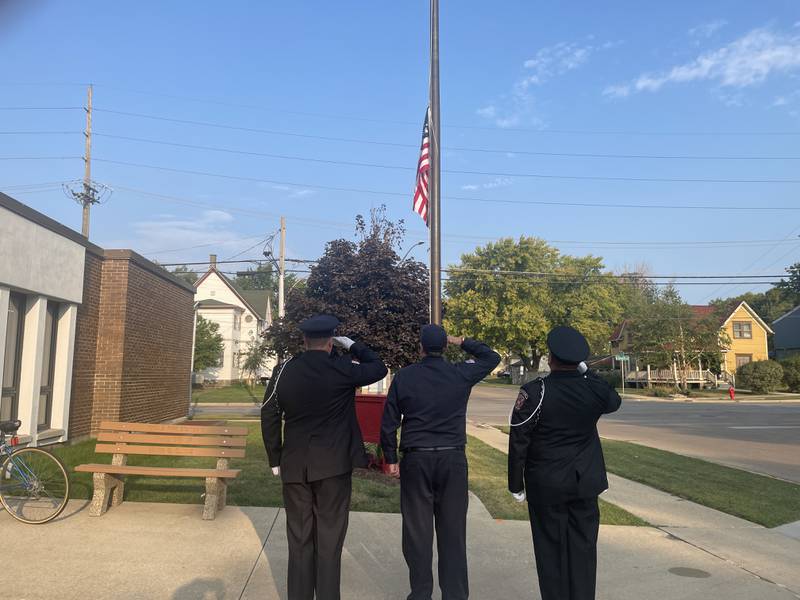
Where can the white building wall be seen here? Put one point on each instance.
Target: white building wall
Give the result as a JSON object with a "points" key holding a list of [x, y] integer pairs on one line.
{"points": [[225, 318], [38, 260]]}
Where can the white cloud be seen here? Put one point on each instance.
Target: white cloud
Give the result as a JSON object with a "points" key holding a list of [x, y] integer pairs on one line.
{"points": [[158, 234], [517, 106], [555, 60], [706, 30], [748, 61], [489, 185]]}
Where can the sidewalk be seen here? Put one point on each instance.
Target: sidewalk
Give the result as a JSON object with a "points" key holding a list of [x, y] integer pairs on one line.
{"points": [[767, 554], [143, 551]]}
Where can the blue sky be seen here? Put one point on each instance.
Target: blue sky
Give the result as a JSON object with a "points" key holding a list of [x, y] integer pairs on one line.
{"points": [[523, 79]]}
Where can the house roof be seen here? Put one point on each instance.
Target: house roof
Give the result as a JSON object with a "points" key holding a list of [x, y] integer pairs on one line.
{"points": [[795, 309], [258, 300], [216, 304], [616, 335], [232, 287]]}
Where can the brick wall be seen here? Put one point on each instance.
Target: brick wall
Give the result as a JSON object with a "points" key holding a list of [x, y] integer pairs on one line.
{"points": [[83, 369], [133, 344]]}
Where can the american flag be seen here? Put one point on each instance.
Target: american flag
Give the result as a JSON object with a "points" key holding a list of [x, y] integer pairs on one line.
{"points": [[423, 173]]}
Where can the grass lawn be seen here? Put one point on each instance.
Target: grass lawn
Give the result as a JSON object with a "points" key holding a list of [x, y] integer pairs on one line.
{"points": [[233, 393], [757, 498], [255, 486], [488, 478]]}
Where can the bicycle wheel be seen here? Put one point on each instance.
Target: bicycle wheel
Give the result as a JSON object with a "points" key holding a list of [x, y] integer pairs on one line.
{"points": [[34, 486]]}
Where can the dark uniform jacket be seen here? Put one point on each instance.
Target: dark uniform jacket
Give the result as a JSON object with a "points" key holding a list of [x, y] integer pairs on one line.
{"points": [[431, 396], [314, 393], [560, 453]]}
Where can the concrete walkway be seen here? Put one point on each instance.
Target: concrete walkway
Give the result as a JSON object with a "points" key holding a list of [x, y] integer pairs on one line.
{"points": [[771, 555], [143, 551]]}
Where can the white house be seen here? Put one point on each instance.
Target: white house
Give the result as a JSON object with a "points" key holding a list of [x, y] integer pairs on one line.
{"points": [[242, 316]]}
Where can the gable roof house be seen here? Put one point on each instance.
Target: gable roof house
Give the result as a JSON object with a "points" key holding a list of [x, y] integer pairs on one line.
{"points": [[746, 333], [242, 316], [787, 334]]}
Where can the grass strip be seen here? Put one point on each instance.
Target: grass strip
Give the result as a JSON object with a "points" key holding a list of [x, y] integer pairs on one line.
{"points": [[238, 392], [488, 473], [756, 498]]}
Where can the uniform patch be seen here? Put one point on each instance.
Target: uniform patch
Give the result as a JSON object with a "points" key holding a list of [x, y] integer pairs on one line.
{"points": [[521, 399]]}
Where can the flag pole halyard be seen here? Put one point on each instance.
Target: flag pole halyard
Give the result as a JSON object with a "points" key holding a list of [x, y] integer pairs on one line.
{"points": [[434, 212]]}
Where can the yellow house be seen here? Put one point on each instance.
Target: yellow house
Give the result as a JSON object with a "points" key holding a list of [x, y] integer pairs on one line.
{"points": [[747, 333], [746, 342]]}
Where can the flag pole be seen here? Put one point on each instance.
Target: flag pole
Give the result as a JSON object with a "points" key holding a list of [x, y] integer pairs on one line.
{"points": [[434, 212]]}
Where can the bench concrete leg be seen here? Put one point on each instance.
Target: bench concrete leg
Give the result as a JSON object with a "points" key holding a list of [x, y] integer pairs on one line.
{"points": [[104, 485], [216, 493]]}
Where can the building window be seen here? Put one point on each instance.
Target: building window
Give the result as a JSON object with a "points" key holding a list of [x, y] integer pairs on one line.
{"points": [[248, 319], [9, 397], [742, 330], [48, 364], [743, 359]]}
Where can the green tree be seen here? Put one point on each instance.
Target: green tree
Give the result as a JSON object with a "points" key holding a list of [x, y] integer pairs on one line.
{"points": [[792, 284], [262, 277], [762, 376], [183, 272], [769, 305], [208, 344], [791, 372], [253, 359], [667, 331], [514, 313], [378, 297]]}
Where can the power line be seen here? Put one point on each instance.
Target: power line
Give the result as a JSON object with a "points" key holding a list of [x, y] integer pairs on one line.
{"points": [[462, 198], [41, 107], [39, 132], [401, 145], [39, 157]]}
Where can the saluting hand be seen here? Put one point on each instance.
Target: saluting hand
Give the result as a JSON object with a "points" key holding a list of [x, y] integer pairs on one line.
{"points": [[343, 342], [454, 340]]}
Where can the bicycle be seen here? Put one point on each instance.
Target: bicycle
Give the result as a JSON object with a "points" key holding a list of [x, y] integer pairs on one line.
{"points": [[34, 486]]}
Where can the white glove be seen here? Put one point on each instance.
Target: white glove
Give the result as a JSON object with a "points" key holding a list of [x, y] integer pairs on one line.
{"points": [[519, 496], [343, 342], [276, 471]]}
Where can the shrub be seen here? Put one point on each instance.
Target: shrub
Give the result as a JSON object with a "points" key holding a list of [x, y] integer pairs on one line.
{"points": [[612, 378], [791, 372], [761, 376]]}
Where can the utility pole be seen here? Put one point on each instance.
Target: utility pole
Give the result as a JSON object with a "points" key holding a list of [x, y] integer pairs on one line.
{"points": [[282, 271], [434, 212], [88, 191]]}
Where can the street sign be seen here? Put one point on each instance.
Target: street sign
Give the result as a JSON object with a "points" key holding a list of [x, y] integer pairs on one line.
{"points": [[622, 357]]}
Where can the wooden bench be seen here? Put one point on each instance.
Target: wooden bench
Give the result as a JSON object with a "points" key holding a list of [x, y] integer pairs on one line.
{"points": [[151, 439]]}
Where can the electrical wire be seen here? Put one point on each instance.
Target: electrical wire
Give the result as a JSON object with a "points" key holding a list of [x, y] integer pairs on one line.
{"points": [[462, 198]]}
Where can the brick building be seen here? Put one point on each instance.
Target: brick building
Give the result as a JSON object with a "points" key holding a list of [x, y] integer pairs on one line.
{"points": [[85, 333]]}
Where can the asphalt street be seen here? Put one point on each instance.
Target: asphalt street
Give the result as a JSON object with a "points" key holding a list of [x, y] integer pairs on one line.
{"points": [[760, 437]]}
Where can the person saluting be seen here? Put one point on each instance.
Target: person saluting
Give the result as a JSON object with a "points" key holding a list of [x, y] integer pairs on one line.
{"points": [[556, 461], [312, 438], [429, 399]]}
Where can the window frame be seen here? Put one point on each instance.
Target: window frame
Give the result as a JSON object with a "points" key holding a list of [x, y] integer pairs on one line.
{"points": [[742, 330], [13, 391]]}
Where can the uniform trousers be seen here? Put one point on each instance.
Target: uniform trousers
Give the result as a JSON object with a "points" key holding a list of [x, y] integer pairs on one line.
{"points": [[565, 544], [433, 494], [317, 516]]}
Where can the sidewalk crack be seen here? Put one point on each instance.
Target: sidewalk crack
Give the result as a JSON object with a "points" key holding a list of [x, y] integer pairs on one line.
{"points": [[260, 552]]}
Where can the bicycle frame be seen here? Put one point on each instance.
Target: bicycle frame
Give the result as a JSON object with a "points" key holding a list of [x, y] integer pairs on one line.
{"points": [[26, 475]]}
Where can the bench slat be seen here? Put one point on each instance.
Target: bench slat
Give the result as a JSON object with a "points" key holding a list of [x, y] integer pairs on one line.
{"points": [[157, 471], [176, 429], [177, 440], [169, 451]]}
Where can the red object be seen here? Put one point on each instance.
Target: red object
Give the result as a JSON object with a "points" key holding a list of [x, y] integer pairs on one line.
{"points": [[15, 441], [369, 411], [423, 172], [732, 393]]}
